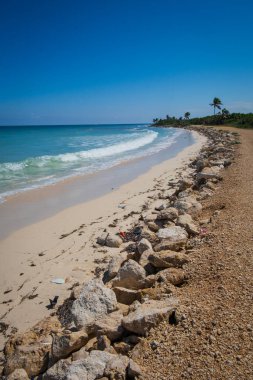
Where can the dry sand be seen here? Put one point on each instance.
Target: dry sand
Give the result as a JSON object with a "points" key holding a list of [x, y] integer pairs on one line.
{"points": [[64, 245]]}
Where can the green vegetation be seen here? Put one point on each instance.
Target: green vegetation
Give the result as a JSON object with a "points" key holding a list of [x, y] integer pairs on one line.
{"points": [[187, 115], [223, 117], [216, 104]]}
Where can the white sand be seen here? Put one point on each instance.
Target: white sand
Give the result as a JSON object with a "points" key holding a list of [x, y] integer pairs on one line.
{"points": [[40, 255]]}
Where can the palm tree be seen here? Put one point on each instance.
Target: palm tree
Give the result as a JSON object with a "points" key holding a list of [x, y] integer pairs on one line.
{"points": [[224, 112], [187, 115], [216, 104]]}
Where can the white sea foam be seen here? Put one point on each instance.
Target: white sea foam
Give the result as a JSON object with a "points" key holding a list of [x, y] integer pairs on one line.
{"points": [[45, 170], [96, 153], [110, 150]]}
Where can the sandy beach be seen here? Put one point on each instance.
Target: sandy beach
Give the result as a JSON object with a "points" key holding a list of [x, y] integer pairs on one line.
{"points": [[64, 245], [173, 295]]}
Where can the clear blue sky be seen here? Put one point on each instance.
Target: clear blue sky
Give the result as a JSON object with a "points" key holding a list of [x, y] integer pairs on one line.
{"points": [[120, 61]]}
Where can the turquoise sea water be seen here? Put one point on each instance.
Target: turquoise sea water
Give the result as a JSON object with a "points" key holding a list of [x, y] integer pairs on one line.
{"points": [[35, 156]]}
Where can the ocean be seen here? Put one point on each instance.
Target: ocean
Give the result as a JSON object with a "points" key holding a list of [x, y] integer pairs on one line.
{"points": [[36, 156]]}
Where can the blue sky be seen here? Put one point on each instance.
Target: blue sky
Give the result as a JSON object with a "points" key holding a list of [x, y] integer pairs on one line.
{"points": [[115, 61]]}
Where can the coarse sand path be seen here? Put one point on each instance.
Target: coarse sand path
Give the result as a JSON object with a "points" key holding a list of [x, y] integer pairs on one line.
{"points": [[214, 336]]}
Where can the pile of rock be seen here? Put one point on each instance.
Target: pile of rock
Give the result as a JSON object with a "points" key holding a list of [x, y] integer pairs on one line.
{"points": [[93, 334]]}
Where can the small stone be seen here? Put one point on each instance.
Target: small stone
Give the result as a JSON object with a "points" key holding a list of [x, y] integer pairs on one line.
{"points": [[154, 345], [211, 339]]}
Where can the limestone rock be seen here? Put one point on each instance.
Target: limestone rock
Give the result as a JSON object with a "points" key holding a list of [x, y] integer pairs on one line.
{"points": [[186, 221], [173, 234], [158, 292], [160, 207], [148, 217], [18, 374], [94, 302], [123, 308], [144, 245], [173, 237], [66, 343], [125, 296], [110, 326], [75, 292], [183, 194], [201, 164], [185, 183], [167, 194], [209, 173], [153, 226], [168, 259], [210, 185], [131, 276], [144, 262], [170, 213], [122, 348], [149, 235], [30, 350], [103, 343], [148, 315], [116, 367], [174, 276], [81, 354], [150, 280], [113, 241], [133, 369], [169, 245], [91, 368], [188, 205], [114, 266]]}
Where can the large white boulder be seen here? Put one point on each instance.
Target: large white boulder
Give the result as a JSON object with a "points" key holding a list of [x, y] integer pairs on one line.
{"points": [[94, 302]]}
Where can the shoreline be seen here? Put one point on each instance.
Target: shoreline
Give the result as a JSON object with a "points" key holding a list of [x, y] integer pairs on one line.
{"points": [[31, 206], [176, 283], [64, 245]]}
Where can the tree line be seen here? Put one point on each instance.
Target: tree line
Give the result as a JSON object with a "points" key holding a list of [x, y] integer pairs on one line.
{"points": [[220, 116]]}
